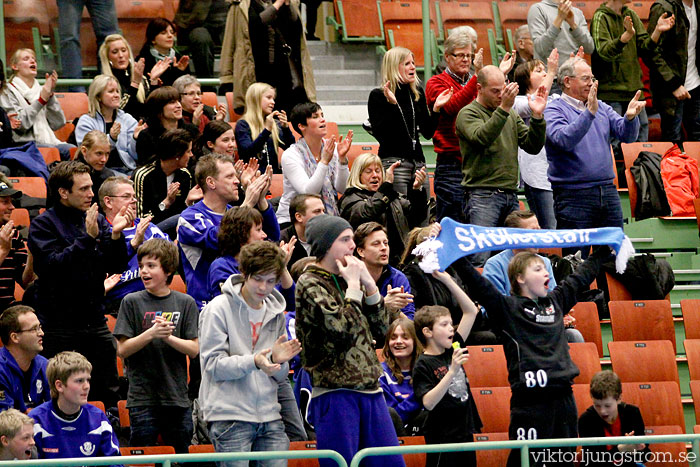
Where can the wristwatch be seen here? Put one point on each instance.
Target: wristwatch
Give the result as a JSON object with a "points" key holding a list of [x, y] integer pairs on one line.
{"points": [[161, 206]]}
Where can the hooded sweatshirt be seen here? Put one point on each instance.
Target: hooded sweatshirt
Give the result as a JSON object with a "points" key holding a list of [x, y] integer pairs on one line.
{"points": [[233, 388]]}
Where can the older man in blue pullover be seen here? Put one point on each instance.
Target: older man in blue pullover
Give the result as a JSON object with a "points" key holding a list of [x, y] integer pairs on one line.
{"points": [[581, 170]]}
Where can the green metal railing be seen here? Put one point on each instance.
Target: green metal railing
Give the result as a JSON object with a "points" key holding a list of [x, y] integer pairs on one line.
{"points": [[63, 82], [526, 445], [167, 459]]}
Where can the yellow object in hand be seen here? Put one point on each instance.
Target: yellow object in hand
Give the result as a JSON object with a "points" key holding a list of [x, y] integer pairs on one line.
{"points": [[455, 345]]}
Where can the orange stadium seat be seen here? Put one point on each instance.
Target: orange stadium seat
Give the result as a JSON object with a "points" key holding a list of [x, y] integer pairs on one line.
{"points": [[493, 404], [50, 155], [642, 9], [20, 217], [413, 460], [630, 151], [692, 352], [588, 8], [30, 186], [588, 323], [145, 451], [203, 448], [232, 116], [668, 454], [302, 446], [99, 404], [361, 148], [659, 402], [640, 361], [209, 98], [178, 284], [616, 289], [487, 366], [403, 26], [123, 414], [277, 186], [491, 458], [361, 18], [478, 15], [642, 320], [111, 322], [513, 15], [582, 395], [585, 356], [74, 104], [695, 393]]}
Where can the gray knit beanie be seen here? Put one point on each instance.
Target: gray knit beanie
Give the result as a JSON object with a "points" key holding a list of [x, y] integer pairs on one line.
{"points": [[322, 231]]}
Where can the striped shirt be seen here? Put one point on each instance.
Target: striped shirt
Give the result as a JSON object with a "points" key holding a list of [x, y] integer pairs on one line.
{"points": [[11, 270]]}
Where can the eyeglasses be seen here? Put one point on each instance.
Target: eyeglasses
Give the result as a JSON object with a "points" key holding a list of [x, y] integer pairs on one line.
{"points": [[585, 78], [192, 93], [35, 329], [462, 56], [126, 197]]}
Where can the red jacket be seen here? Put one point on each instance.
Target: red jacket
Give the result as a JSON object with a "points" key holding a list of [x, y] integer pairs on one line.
{"points": [[445, 138], [679, 173]]}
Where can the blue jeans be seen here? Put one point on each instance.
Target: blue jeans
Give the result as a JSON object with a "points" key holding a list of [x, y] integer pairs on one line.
{"points": [[239, 436], [488, 207], [404, 174], [687, 114], [541, 202], [449, 192], [291, 417], [585, 208], [173, 423], [103, 14], [621, 108]]}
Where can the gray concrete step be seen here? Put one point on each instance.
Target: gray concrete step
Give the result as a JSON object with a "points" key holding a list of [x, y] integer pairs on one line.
{"points": [[346, 77], [343, 93]]}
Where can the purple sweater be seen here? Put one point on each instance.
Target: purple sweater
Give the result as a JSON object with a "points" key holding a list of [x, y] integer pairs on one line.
{"points": [[578, 148]]}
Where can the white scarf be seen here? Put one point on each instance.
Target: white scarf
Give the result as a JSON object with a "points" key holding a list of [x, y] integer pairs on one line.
{"points": [[43, 134]]}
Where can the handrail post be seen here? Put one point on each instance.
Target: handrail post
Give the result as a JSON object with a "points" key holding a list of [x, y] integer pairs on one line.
{"points": [[427, 61], [525, 456], [696, 451]]}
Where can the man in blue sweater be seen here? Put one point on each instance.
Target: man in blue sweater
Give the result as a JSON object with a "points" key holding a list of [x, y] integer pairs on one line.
{"points": [[581, 169]]}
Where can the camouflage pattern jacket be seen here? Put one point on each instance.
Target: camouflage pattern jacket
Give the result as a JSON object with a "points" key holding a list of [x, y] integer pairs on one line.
{"points": [[336, 332]]}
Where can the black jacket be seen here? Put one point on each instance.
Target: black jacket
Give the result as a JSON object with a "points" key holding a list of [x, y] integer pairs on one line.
{"points": [[651, 195], [299, 250], [590, 425], [151, 186], [386, 206], [72, 266]]}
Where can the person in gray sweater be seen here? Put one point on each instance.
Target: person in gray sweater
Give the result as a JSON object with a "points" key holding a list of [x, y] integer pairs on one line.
{"points": [[244, 351]]}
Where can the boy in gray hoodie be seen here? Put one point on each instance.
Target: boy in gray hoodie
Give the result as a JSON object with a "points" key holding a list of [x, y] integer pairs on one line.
{"points": [[244, 353]]}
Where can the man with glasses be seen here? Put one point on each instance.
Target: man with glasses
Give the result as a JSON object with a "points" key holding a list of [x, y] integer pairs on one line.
{"points": [[23, 383], [14, 267], [459, 50], [580, 164], [524, 48], [116, 193], [74, 249]]}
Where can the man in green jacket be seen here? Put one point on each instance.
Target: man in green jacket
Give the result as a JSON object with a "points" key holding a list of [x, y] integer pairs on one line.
{"points": [[490, 132], [620, 40]]}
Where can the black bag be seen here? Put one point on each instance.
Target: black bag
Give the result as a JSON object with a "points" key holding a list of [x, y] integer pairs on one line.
{"points": [[646, 277], [651, 195]]}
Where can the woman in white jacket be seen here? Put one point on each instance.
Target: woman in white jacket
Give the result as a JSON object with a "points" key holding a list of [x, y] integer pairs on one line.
{"points": [[36, 107], [104, 96]]}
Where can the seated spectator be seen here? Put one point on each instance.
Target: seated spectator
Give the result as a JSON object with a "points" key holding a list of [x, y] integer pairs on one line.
{"points": [[193, 109], [401, 350], [241, 226], [313, 164], [200, 25], [38, 111], [609, 416], [117, 59], [371, 196], [158, 49], [23, 380], [16, 436], [198, 226], [164, 187], [262, 130], [496, 267], [435, 292], [217, 137], [244, 351], [533, 167], [156, 330], [163, 112], [372, 247], [114, 194], [302, 208], [105, 115], [15, 266], [67, 426], [95, 151]]}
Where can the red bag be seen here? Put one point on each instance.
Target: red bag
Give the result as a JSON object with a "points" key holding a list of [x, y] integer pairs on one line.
{"points": [[679, 173]]}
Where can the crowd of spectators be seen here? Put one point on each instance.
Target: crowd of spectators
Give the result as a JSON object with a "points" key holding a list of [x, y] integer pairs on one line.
{"points": [[158, 184]]}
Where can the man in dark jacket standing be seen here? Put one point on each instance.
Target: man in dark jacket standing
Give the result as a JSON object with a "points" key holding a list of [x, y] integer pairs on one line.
{"points": [[676, 85], [74, 249]]}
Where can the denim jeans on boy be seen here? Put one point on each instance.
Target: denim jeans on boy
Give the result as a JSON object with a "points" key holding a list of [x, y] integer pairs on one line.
{"points": [[174, 424], [239, 436], [585, 208], [541, 202], [686, 115], [449, 192], [488, 207], [103, 14]]}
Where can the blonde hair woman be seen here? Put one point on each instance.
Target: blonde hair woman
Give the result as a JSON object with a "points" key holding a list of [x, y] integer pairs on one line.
{"points": [[38, 111], [104, 114], [262, 130], [398, 112], [371, 196]]}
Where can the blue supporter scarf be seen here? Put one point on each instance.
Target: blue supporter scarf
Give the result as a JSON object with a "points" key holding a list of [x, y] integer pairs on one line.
{"points": [[457, 240]]}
